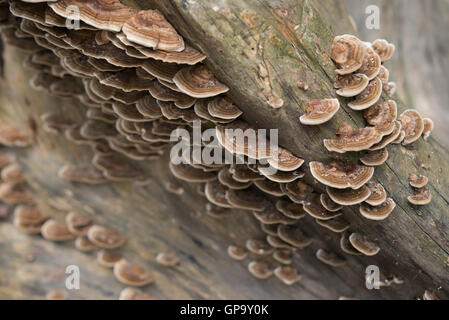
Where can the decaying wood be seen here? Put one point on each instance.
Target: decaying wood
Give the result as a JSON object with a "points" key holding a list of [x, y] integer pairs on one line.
{"points": [[261, 50]]}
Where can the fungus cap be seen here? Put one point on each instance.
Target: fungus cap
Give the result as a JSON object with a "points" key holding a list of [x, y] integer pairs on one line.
{"points": [[371, 65], [329, 204], [384, 49], [248, 199], [284, 160], [337, 225], [132, 275], [348, 52], [283, 256], [367, 97], [418, 180], [346, 246], [351, 139], [198, 82], [83, 173], [105, 238], [421, 197], [108, 258], [260, 269], [341, 175], [375, 158], [378, 193], [428, 128], [348, 196], [287, 275], [168, 259], [82, 243], [294, 236], [13, 173], [412, 125], [133, 294], [290, 209], [269, 187], [380, 212], [382, 116], [237, 253], [150, 29], [55, 231], [351, 85], [78, 223], [363, 244], [330, 259], [314, 208], [319, 111]]}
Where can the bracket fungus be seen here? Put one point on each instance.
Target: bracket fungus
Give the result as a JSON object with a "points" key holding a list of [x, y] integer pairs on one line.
{"points": [[283, 256], [378, 193], [78, 223], [105, 238], [351, 139], [382, 116], [85, 174], [367, 97], [260, 269], [259, 247], [133, 294], [12, 173], [55, 231], [375, 158], [198, 82], [107, 258], [287, 275], [330, 259], [363, 244], [418, 180], [384, 49], [314, 208], [29, 219], [83, 244], [351, 85], [380, 212], [329, 204], [319, 111], [412, 125], [294, 236], [371, 65], [428, 128], [237, 253], [337, 225], [167, 259], [131, 275], [421, 197], [348, 52], [341, 175]]}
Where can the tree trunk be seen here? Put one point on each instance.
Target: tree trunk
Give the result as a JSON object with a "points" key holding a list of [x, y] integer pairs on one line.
{"points": [[260, 49]]}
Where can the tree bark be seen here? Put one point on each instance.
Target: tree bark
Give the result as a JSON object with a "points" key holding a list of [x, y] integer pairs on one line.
{"points": [[260, 49]]}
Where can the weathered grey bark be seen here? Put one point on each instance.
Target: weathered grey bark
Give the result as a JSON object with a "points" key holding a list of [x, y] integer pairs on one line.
{"points": [[258, 48]]}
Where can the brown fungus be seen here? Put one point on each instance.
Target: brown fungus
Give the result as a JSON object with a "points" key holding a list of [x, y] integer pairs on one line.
{"points": [[82, 173], [260, 269], [329, 204], [367, 97], [371, 65], [347, 247], [319, 111], [108, 259], [341, 175], [390, 138], [13, 193], [82, 243], [283, 256], [29, 219], [330, 259], [348, 52], [290, 209], [237, 253], [351, 85], [418, 180], [375, 158], [259, 247], [223, 108], [294, 236], [378, 193], [350, 139], [382, 116], [248, 199], [412, 125], [337, 225], [287, 275], [428, 128], [78, 223], [133, 294], [270, 215], [167, 259], [13, 173], [131, 275], [55, 231], [379, 212], [198, 82], [150, 29], [363, 244], [421, 197], [314, 208], [348, 196], [105, 238], [384, 49]]}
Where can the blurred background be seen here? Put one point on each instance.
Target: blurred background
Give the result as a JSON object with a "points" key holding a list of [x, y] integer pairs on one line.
{"points": [[420, 66]]}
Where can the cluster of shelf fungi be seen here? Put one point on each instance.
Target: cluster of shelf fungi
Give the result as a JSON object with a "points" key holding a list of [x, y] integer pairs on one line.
{"points": [[140, 81]]}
